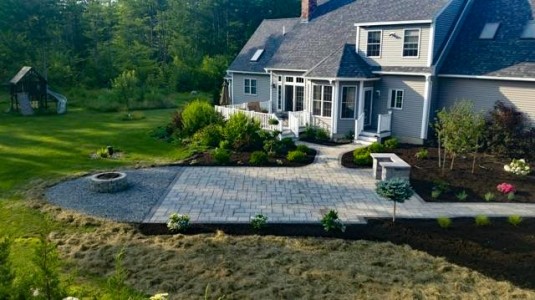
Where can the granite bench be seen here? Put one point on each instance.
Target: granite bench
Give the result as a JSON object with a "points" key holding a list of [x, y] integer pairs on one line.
{"points": [[389, 165]]}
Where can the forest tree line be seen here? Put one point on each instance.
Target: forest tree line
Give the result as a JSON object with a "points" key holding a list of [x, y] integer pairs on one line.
{"points": [[178, 45]]}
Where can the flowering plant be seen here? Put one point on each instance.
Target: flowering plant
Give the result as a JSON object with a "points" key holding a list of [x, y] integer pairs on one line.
{"points": [[178, 222], [506, 188], [518, 167], [161, 296]]}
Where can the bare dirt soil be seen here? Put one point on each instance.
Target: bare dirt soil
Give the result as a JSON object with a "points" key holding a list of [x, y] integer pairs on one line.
{"points": [[489, 172]]}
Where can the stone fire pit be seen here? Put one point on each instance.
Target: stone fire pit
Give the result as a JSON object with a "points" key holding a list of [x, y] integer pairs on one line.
{"points": [[108, 182]]}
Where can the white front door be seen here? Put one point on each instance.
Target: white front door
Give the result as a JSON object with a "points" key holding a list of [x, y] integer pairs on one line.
{"points": [[368, 106]]}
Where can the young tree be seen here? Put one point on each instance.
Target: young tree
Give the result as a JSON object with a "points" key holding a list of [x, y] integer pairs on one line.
{"points": [[125, 85], [396, 190], [459, 131]]}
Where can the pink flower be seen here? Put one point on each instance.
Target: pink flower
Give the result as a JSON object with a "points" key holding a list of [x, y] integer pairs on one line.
{"points": [[506, 188]]}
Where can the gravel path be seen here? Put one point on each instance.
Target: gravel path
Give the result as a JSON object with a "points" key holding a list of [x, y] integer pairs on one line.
{"points": [[147, 187]]}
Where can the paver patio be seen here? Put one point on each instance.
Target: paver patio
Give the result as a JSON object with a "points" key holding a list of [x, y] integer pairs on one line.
{"points": [[300, 195]]}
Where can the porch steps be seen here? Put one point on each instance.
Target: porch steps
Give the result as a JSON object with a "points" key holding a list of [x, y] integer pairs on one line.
{"points": [[368, 137]]}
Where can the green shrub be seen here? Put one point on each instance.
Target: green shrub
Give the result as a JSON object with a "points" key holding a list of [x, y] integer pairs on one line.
{"points": [[259, 221], [322, 135], [197, 115], [103, 153], [331, 222], [462, 196], [273, 122], [482, 220], [391, 144], [489, 196], [441, 185], [209, 136], [377, 148], [514, 220], [224, 145], [221, 156], [436, 193], [422, 154], [243, 133], [259, 158], [444, 222], [315, 134], [361, 157], [363, 160], [178, 223], [296, 156], [511, 196], [304, 149], [288, 144]]}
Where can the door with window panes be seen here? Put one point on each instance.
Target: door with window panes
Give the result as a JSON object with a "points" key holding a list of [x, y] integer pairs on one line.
{"points": [[294, 93]]}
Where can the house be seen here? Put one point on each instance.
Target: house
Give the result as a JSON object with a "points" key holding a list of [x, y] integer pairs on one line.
{"points": [[380, 68]]}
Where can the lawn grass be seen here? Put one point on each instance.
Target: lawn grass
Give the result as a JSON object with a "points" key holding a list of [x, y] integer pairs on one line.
{"points": [[47, 148], [54, 146]]}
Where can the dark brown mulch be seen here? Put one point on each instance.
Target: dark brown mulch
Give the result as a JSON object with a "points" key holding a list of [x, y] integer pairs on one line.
{"points": [[500, 250], [326, 143], [489, 172], [242, 159]]}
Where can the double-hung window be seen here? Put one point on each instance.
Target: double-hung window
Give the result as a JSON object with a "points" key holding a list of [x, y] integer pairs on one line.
{"points": [[396, 99], [374, 43], [411, 43], [322, 100], [349, 97], [249, 86]]}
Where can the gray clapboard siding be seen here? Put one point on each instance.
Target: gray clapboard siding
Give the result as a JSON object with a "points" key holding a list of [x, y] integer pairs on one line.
{"points": [[484, 93], [444, 24], [262, 88], [392, 47], [407, 122]]}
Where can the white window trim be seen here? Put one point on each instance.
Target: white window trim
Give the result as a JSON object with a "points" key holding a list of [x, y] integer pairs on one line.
{"points": [[342, 101], [322, 101], [389, 102], [419, 43], [380, 43], [250, 86]]}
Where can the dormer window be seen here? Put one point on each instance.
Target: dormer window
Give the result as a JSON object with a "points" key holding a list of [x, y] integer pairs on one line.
{"points": [[374, 43], [257, 55], [489, 31], [529, 30]]}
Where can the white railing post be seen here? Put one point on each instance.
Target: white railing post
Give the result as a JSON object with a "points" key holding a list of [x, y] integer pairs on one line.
{"points": [[359, 126], [379, 123]]}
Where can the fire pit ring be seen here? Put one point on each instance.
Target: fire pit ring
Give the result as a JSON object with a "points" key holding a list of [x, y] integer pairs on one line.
{"points": [[108, 182]]}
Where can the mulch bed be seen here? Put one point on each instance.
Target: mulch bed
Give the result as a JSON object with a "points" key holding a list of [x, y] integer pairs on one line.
{"points": [[242, 159], [500, 250], [489, 172]]}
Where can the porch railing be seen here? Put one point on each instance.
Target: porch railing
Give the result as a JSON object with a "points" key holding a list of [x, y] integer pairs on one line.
{"points": [[296, 120], [265, 106], [384, 123], [359, 125], [319, 122], [263, 118]]}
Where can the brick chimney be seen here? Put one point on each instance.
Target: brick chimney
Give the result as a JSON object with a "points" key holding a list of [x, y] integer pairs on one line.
{"points": [[307, 7]]}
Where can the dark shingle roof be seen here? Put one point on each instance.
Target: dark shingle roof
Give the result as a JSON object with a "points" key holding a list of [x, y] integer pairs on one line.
{"points": [[268, 36], [344, 62], [507, 55], [332, 25]]}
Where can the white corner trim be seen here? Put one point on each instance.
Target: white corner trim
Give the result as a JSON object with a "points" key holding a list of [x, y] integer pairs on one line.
{"points": [[232, 89], [360, 109], [394, 23], [427, 106], [334, 109], [357, 41], [431, 45], [528, 79]]}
